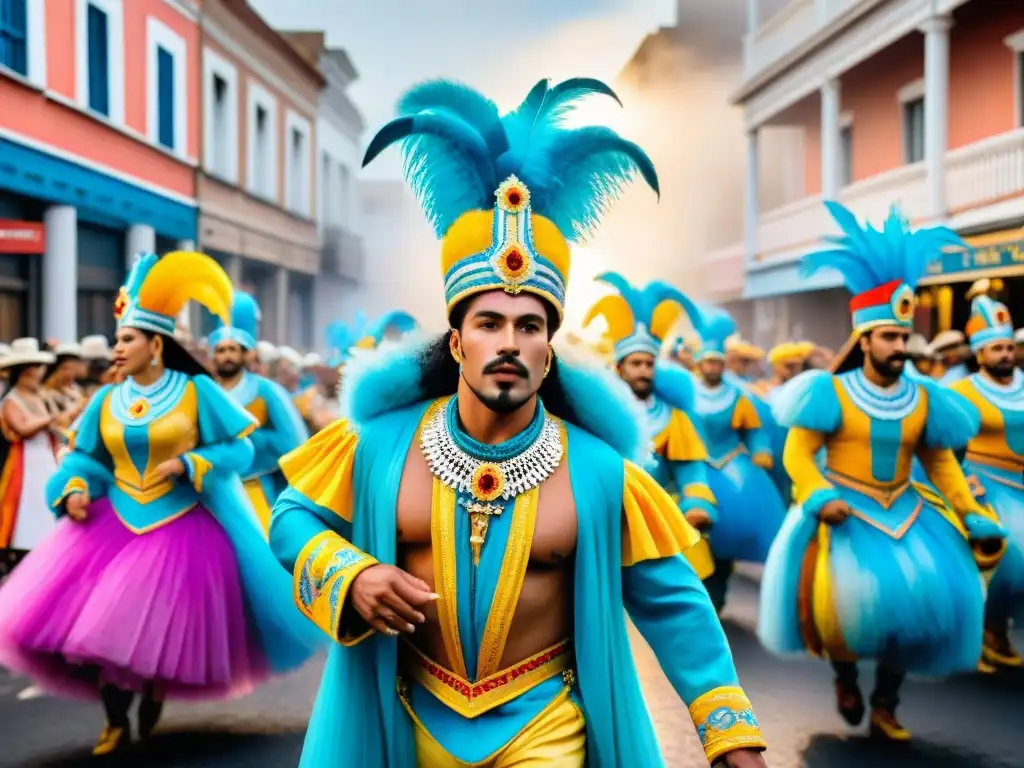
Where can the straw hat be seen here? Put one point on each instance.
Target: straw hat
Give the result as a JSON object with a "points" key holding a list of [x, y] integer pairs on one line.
{"points": [[948, 341], [312, 360], [26, 352], [1018, 336], [96, 348], [917, 346], [67, 349], [290, 355], [266, 352]]}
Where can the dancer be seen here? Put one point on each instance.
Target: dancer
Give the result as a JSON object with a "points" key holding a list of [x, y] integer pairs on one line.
{"points": [[155, 582], [750, 509], [638, 320], [480, 466], [30, 448], [995, 461], [280, 429], [870, 565]]}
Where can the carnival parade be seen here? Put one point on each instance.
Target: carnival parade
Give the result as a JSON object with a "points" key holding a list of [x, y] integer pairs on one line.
{"points": [[553, 503]]}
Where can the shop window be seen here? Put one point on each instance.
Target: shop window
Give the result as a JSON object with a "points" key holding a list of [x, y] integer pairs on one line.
{"points": [[913, 130], [99, 60], [165, 97], [14, 35]]}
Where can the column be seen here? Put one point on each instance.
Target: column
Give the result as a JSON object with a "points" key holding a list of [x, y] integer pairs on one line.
{"points": [[281, 305], [936, 111], [60, 274], [234, 270], [140, 238], [753, 20], [752, 198], [831, 156]]}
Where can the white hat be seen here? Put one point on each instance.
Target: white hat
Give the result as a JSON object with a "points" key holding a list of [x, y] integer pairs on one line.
{"points": [[266, 352], [290, 355], [96, 348], [947, 341], [917, 346], [312, 360], [26, 352], [5, 349], [68, 349], [1018, 336]]}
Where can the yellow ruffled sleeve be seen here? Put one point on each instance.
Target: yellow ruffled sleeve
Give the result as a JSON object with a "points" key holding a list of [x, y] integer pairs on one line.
{"points": [[744, 415], [653, 527], [680, 441], [321, 468]]}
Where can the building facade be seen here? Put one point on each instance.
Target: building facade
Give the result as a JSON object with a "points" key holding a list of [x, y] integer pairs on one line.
{"points": [[98, 145], [915, 102], [256, 189], [339, 147]]}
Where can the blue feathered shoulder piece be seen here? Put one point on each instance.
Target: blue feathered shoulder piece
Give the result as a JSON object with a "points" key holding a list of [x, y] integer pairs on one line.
{"points": [[457, 149], [675, 385], [952, 419], [396, 320], [808, 401], [867, 257]]}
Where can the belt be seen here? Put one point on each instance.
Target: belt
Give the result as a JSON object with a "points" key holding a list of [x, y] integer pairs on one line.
{"points": [[885, 495], [996, 462], [472, 699]]}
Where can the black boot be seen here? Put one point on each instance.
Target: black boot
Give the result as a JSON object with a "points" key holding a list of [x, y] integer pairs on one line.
{"points": [[116, 735], [884, 701], [849, 699], [150, 709]]}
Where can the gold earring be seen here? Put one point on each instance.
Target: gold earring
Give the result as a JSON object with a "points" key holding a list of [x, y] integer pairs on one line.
{"points": [[547, 365]]}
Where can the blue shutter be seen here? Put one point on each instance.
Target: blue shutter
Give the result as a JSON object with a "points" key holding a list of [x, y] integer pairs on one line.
{"points": [[165, 97], [99, 61], [13, 36]]}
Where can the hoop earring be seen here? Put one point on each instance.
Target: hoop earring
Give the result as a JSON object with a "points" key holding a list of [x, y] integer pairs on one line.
{"points": [[551, 358]]}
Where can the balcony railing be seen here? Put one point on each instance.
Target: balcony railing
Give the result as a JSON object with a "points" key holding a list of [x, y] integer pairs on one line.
{"points": [[786, 29], [979, 177], [343, 254]]}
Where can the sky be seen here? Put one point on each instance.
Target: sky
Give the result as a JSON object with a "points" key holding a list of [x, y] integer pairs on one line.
{"points": [[500, 49]]}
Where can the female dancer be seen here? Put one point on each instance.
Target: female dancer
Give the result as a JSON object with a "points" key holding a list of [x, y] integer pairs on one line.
{"points": [[63, 396], [29, 457], [157, 582]]}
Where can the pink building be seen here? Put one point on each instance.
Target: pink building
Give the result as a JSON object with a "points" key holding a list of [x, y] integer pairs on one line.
{"points": [[99, 140]]}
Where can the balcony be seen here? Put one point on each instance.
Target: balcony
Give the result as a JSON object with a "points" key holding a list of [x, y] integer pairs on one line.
{"points": [[343, 254], [790, 27], [984, 187]]}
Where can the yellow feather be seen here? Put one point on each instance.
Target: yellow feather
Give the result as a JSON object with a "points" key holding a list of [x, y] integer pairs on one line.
{"points": [[664, 318], [183, 276], [617, 313]]}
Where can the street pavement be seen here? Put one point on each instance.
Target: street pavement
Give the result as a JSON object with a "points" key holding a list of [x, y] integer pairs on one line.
{"points": [[968, 722]]}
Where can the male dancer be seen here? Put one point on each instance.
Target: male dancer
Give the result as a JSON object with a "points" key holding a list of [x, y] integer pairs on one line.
{"points": [[471, 503], [995, 462], [280, 426], [896, 582], [638, 320]]}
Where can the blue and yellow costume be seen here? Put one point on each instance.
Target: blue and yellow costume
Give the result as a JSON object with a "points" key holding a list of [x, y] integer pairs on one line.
{"points": [[994, 464], [896, 582], [579, 700], [344, 339], [280, 427], [638, 320]]}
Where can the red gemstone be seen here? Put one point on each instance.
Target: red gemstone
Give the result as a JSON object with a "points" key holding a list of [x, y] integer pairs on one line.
{"points": [[486, 483], [513, 198], [514, 261]]}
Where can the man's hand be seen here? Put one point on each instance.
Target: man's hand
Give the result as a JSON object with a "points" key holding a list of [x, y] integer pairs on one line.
{"points": [[743, 758], [170, 468], [389, 599], [75, 505], [835, 512], [698, 518]]}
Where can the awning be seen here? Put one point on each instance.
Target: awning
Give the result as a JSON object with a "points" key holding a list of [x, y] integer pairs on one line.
{"points": [[993, 254]]}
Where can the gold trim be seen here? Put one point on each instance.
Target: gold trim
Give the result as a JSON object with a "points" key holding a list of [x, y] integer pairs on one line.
{"points": [[442, 535], [510, 583], [997, 462], [826, 619], [739, 450], [471, 700], [725, 721], [885, 495]]}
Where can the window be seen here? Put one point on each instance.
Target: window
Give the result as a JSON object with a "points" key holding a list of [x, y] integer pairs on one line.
{"points": [[326, 196], [262, 177], [165, 97], [846, 155], [99, 60], [913, 130], [296, 188], [220, 116], [14, 35], [344, 202], [221, 137]]}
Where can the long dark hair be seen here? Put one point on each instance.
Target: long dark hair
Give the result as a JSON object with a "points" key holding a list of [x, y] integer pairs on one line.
{"points": [[439, 377], [176, 357], [56, 364], [15, 372]]}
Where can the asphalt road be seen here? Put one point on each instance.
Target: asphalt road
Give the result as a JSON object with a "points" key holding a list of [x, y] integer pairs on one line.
{"points": [[968, 722]]}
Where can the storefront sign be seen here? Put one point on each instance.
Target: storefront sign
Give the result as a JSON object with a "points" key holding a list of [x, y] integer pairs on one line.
{"points": [[996, 258], [22, 236]]}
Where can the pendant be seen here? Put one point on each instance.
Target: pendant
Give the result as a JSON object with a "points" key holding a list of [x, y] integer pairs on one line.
{"points": [[480, 515], [139, 408]]}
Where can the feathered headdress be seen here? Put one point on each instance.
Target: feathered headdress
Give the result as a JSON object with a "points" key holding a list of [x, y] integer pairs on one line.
{"points": [[360, 334], [714, 326], [881, 268], [508, 194], [990, 320], [638, 319], [157, 288], [245, 323]]}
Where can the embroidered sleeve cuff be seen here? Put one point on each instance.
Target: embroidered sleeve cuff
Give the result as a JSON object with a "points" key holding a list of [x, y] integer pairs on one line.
{"points": [[763, 460], [812, 506], [699, 491], [689, 504], [71, 487], [725, 722], [324, 572], [196, 468]]}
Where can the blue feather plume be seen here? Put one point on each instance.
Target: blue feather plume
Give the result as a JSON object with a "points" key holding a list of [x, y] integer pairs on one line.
{"points": [[456, 151], [867, 257], [245, 314], [644, 301], [714, 325], [396, 320]]}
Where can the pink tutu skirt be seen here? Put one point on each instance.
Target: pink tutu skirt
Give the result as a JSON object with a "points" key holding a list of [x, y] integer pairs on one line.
{"points": [[96, 603]]}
